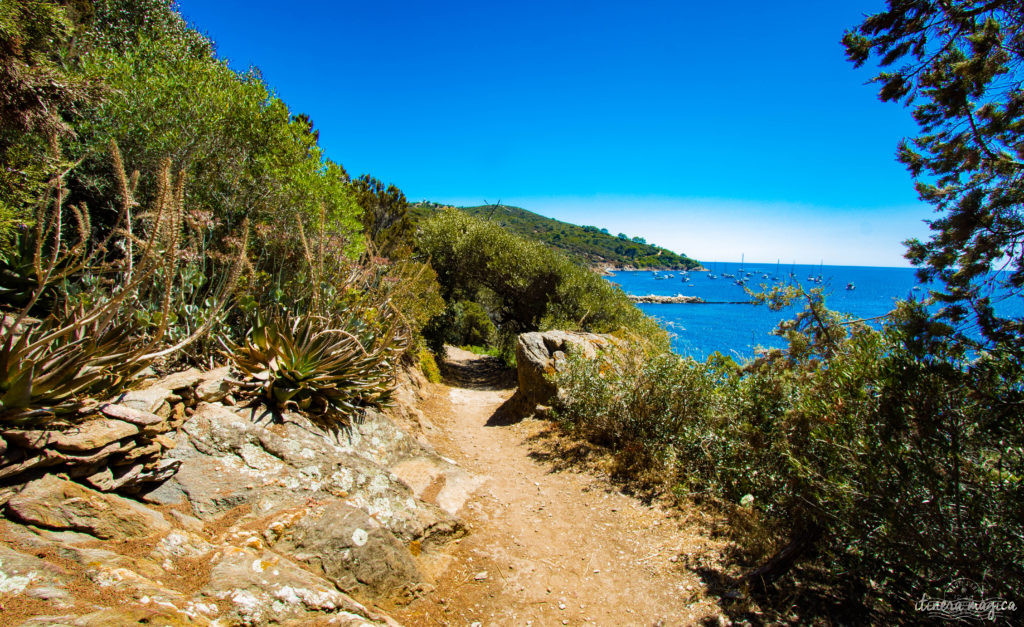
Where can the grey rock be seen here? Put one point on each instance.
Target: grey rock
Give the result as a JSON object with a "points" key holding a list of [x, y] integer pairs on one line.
{"points": [[22, 574], [153, 400], [124, 477], [180, 543], [265, 588], [214, 385], [374, 436], [182, 380], [129, 414], [229, 460], [82, 437], [437, 481], [42, 460], [348, 547], [540, 354]]}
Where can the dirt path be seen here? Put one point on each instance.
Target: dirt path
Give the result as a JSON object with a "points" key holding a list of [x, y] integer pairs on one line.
{"points": [[548, 546]]}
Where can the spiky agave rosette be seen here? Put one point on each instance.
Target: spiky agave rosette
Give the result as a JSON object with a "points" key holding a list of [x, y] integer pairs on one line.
{"points": [[333, 364]]}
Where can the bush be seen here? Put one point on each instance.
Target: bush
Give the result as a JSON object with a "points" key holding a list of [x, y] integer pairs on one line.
{"points": [[92, 340], [892, 455], [522, 285], [428, 365]]}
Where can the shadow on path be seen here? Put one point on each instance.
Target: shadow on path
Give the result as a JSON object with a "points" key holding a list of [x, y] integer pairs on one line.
{"points": [[464, 369]]}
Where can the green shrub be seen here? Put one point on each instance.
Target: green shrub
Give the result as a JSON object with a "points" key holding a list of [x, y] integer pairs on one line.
{"points": [[428, 365], [522, 285], [414, 293], [49, 370], [92, 340], [895, 457]]}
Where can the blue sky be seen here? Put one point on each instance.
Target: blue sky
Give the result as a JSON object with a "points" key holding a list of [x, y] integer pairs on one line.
{"points": [[711, 130]]}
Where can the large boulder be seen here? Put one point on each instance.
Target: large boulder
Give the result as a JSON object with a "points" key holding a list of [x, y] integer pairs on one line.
{"points": [[541, 354]]}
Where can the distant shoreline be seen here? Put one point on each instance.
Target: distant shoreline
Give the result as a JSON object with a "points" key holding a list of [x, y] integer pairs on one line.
{"points": [[607, 270], [679, 299]]}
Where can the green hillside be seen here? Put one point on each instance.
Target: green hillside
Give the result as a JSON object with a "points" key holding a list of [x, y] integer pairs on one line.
{"points": [[589, 244]]}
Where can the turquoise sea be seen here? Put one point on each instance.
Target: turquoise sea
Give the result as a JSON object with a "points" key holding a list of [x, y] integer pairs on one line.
{"points": [[735, 329]]}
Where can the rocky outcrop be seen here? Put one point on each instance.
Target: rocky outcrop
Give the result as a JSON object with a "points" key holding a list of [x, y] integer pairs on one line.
{"points": [[56, 503], [115, 446], [229, 459], [265, 588], [258, 519], [657, 299], [541, 354]]}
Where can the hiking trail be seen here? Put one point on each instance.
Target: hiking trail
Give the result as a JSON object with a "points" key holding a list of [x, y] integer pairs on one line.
{"points": [[550, 542]]}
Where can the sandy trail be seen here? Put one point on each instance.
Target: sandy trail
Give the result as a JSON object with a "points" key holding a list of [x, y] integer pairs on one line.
{"points": [[548, 546]]}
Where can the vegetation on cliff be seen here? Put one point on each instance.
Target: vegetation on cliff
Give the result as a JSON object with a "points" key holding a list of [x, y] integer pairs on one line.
{"points": [[888, 460], [586, 244], [521, 285]]}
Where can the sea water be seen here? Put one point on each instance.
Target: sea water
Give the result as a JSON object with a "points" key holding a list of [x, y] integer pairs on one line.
{"points": [[726, 326]]}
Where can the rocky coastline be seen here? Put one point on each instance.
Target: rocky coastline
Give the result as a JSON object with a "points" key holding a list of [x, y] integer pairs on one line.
{"points": [[655, 299]]}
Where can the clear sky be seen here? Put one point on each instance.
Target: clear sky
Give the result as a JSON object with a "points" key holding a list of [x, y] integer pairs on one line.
{"points": [[713, 129]]}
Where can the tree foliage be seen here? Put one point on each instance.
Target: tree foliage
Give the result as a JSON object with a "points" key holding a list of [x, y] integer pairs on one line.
{"points": [[960, 65], [586, 244], [385, 215], [522, 284], [163, 94], [253, 185], [37, 98]]}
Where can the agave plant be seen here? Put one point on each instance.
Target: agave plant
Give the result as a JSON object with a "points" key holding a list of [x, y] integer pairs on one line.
{"points": [[48, 370], [332, 364], [90, 343]]}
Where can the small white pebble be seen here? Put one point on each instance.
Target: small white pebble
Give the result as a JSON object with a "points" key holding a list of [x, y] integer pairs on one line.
{"points": [[561, 606]]}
